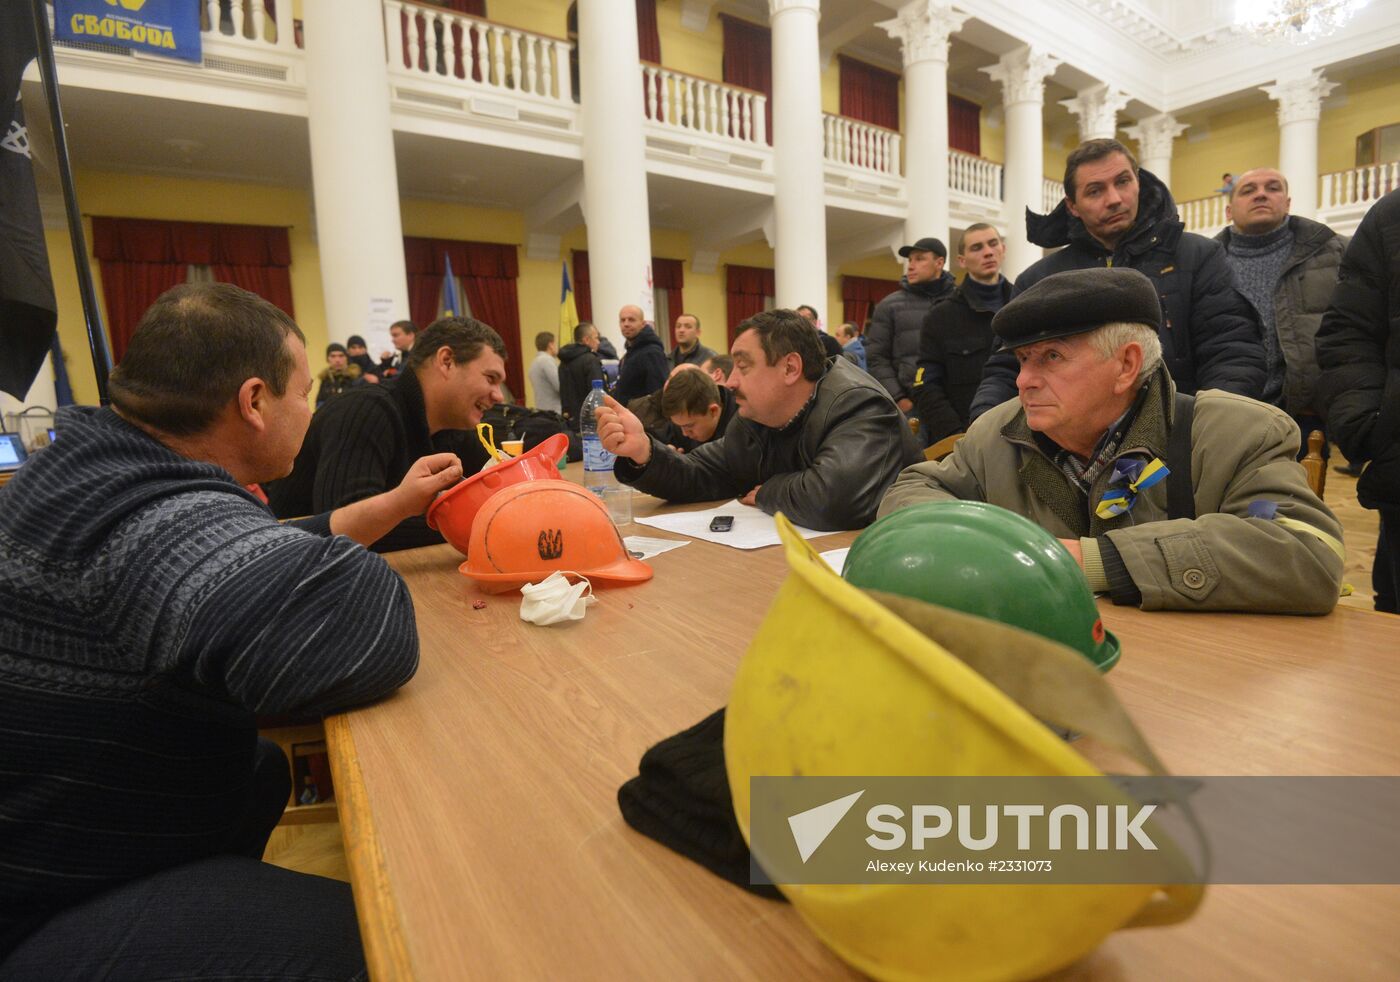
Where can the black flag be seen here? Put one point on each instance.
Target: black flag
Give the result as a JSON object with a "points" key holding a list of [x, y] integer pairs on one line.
{"points": [[28, 311]]}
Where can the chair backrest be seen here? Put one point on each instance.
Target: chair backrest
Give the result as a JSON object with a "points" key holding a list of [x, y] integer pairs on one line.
{"points": [[1314, 465], [943, 447]]}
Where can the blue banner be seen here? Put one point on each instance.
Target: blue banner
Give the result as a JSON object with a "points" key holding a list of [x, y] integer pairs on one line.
{"points": [[168, 28]]}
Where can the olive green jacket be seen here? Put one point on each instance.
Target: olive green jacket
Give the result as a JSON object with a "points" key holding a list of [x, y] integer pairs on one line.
{"points": [[1242, 452]]}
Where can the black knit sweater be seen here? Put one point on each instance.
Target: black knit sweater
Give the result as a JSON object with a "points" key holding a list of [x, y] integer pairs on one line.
{"points": [[362, 444], [149, 608]]}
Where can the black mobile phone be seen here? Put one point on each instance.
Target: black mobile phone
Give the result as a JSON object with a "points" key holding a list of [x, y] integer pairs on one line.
{"points": [[721, 523]]}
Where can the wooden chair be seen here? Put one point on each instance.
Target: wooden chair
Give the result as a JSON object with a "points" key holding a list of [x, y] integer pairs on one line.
{"points": [[943, 447], [1314, 465]]}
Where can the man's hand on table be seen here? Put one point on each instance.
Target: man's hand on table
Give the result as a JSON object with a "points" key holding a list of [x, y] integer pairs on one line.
{"points": [[622, 433], [752, 497], [369, 520], [1074, 550]]}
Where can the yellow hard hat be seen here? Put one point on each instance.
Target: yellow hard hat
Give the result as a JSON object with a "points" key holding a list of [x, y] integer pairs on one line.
{"points": [[835, 684]]}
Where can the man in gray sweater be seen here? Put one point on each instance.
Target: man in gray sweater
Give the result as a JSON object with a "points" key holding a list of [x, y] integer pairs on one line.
{"points": [[150, 609]]}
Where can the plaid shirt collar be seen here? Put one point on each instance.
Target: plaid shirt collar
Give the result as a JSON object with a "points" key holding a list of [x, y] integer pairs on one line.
{"points": [[1081, 473]]}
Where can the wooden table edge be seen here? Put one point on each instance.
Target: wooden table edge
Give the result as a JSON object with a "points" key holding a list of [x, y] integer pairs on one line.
{"points": [[381, 927]]}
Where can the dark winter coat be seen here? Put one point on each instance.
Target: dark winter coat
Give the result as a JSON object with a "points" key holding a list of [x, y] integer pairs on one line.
{"points": [[644, 367], [955, 344], [892, 336], [1210, 334], [578, 367], [1358, 347]]}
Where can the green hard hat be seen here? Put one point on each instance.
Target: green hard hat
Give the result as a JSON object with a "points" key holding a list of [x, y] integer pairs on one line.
{"points": [[986, 561]]}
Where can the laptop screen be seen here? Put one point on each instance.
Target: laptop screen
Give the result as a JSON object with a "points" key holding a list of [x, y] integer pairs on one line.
{"points": [[11, 451]]}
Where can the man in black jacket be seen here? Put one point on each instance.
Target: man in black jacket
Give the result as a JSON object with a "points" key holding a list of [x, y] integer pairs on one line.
{"points": [[1114, 214], [1287, 268], [1358, 347], [957, 337], [892, 337], [816, 439], [644, 367], [364, 442], [579, 365]]}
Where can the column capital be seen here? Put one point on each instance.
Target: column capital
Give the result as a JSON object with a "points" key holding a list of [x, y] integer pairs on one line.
{"points": [[1022, 74], [923, 28], [1097, 108], [1155, 134], [776, 7], [1300, 97]]}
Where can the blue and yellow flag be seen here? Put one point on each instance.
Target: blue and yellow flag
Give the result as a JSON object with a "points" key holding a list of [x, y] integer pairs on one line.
{"points": [[451, 306], [568, 311]]}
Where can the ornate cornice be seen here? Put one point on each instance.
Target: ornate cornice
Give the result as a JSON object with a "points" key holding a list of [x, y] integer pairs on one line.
{"points": [[923, 28], [1022, 74], [776, 7]]}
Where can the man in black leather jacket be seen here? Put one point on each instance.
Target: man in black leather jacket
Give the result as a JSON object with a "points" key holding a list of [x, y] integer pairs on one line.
{"points": [[1114, 214], [816, 439]]}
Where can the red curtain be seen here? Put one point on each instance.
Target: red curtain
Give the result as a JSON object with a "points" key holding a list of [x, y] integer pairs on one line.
{"points": [[129, 288], [142, 258], [748, 60], [860, 294], [964, 125], [747, 289], [583, 291], [488, 272], [648, 34], [869, 94]]}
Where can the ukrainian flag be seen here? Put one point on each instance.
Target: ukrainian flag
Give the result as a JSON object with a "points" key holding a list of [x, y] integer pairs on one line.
{"points": [[568, 311], [451, 306]]}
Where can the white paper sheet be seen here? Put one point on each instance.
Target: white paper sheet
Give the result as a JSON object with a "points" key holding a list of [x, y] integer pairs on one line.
{"points": [[753, 529], [644, 547], [836, 558]]}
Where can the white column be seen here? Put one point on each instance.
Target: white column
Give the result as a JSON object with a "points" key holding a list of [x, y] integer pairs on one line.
{"points": [[1299, 108], [923, 28], [354, 177], [1022, 75], [799, 201], [1097, 108], [1154, 136], [615, 207]]}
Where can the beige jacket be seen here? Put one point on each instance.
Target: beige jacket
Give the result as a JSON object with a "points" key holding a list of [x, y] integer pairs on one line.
{"points": [[1242, 452]]}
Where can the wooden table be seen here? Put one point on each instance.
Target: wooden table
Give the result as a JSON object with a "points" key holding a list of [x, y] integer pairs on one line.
{"points": [[484, 839]]}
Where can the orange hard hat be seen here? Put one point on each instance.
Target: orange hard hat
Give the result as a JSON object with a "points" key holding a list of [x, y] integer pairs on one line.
{"points": [[524, 532]]}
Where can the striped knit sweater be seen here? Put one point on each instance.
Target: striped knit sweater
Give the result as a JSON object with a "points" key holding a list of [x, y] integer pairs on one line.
{"points": [[149, 608]]}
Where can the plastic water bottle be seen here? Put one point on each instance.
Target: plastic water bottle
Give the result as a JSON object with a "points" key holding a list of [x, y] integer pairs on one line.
{"points": [[597, 462]]}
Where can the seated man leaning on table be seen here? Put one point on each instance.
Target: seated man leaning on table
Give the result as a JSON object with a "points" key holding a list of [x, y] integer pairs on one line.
{"points": [[150, 607], [1234, 526], [817, 440]]}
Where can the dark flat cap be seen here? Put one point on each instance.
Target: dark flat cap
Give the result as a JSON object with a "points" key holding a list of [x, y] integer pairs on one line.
{"points": [[1077, 301], [926, 244], [333, 347]]}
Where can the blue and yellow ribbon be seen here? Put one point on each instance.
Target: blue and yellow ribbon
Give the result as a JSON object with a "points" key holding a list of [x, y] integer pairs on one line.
{"points": [[1131, 476]]}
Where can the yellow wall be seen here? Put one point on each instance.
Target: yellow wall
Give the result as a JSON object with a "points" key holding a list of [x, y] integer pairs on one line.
{"points": [[541, 16], [993, 135], [1235, 141], [144, 196], [689, 51], [1370, 101]]}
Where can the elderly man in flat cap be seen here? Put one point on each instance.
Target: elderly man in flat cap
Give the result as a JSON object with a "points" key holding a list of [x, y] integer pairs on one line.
{"points": [[1167, 501]]}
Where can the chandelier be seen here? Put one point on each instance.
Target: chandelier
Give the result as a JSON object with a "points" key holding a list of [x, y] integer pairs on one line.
{"points": [[1298, 21]]}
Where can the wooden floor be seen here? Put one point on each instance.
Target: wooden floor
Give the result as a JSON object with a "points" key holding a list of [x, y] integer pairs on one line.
{"points": [[317, 848]]}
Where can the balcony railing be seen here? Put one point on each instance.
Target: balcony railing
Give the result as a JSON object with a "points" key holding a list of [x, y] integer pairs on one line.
{"points": [[1358, 187], [1051, 194], [863, 146], [434, 43], [697, 105], [1204, 215], [976, 177], [251, 21]]}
